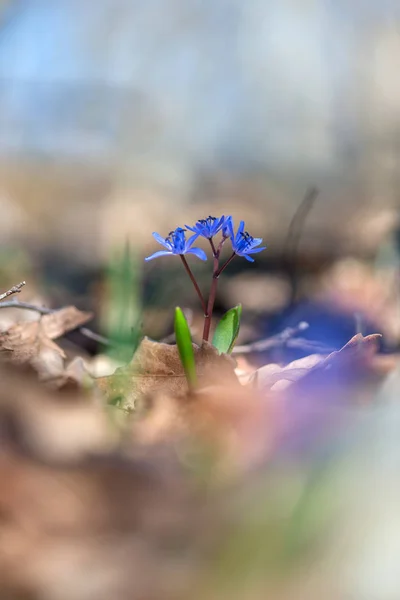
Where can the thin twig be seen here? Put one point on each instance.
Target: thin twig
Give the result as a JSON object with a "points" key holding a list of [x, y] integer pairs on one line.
{"points": [[293, 237], [14, 290], [96, 337], [309, 346], [47, 311], [294, 344], [27, 305], [275, 340]]}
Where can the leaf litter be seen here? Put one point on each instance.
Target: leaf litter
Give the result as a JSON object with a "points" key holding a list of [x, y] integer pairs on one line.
{"points": [[138, 483]]}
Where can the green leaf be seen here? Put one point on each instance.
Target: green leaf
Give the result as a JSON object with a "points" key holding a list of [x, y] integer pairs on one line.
{"points": [[185, 348], [121, 310], [227, 330]]}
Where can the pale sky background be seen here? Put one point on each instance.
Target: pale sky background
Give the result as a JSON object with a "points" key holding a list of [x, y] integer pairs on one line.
{"points": [[217, 82]]}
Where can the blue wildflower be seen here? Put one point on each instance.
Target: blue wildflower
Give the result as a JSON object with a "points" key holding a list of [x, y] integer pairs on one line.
{"points": [[243, 243], [226, 229], [176, 243], [209, 227]]}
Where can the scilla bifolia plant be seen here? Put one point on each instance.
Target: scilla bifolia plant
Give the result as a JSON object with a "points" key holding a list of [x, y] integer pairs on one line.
{"points": [[176, 244]]}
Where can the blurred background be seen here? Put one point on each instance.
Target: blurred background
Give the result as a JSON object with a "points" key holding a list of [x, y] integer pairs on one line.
{"points": [[123, 117]]}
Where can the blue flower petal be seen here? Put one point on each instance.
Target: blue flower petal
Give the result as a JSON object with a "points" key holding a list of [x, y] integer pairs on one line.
{"points": [[208, 227], [229, 226], [157, 254], [243, 244], [161, 240], [198, 252], [240, 231], [255, 250], [191, 241]]}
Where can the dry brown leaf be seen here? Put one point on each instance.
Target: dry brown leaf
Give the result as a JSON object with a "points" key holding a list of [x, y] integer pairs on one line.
{"points": [[75, 506], [233, 421], [24, 342], [61, 321], [77, 371], [74, 376], [360, 349], [50, 423], [357, 352], [31, 341], [157, 367], [49, 362]]}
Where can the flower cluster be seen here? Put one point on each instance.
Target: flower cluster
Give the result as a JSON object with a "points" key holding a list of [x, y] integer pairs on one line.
{"points": [[243, 244]]}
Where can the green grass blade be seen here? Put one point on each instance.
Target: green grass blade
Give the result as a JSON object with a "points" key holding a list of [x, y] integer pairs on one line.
{"points": [[122, 304], [184, 343], [227, 330]]}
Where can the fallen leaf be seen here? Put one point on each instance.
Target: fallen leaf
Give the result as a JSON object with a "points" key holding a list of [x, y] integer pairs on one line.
{"points": [[74, 376], [59, 322], [30, 342], [49, 361], [50, 423], [24, 342], [270, 375], [357, 352], [231, 421], [157, 367]]}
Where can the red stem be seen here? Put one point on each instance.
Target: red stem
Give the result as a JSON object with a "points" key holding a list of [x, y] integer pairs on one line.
{"points": [[230, 259], [189, 272], [213, 291], [210, 307], [222, 242], [214, 251]]}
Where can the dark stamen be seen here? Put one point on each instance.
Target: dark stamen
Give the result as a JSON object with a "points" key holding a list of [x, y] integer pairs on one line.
{"points": [[172, 236], [247, 237]]}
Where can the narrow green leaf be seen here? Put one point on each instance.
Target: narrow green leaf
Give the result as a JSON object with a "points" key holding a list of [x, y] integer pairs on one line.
{"points": [[121, 310], [184, 343], [227, 330]]}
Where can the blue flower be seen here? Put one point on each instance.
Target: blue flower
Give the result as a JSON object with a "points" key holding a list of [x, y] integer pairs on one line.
{"points": [[243, 243], [226, 228], [208, 227], [176, 243]]}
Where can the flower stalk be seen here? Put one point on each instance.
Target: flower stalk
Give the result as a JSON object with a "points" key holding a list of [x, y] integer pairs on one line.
{"points": [[195, 284], [213, 293]]}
